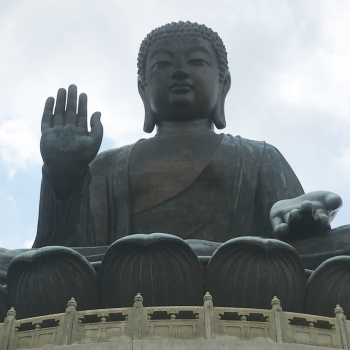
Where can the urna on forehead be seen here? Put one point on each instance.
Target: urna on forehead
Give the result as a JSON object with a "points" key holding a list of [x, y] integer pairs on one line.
{"points": [[182, 30]]}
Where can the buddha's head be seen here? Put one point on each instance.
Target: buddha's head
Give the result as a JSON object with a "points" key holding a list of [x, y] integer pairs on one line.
{"points": [[183, 75]]}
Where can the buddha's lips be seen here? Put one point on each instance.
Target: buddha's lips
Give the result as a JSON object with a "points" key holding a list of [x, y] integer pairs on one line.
{"points": [[177, 86]]}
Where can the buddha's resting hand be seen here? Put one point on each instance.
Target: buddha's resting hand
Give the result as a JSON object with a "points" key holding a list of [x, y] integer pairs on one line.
{"points": [[305, 216], [67, 147]]}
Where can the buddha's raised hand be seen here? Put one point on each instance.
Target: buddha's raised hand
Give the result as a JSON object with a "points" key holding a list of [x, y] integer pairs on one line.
{"points": [[67, 147], [304, 216]]}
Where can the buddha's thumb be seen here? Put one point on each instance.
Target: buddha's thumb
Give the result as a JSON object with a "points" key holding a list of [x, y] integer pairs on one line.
{"points": [[333, 201], [96, 125]]}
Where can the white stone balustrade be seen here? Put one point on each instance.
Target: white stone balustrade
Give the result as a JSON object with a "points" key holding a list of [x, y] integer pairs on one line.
{"points": [[138, 325]]}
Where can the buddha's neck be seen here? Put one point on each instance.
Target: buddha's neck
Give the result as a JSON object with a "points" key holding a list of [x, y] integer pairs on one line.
{"points": [[198, 126]]}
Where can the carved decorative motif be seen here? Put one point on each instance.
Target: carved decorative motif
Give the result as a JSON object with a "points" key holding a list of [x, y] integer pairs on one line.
{"points": [[162, 267], [328, 285], [41, 281], [249, 271]]}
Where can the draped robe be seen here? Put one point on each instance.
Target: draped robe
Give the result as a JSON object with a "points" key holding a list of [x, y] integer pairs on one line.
{"points": [[231, 197]]}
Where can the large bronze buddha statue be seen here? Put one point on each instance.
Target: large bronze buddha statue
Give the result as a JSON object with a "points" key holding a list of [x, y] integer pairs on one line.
{"points": [[186, 181]]}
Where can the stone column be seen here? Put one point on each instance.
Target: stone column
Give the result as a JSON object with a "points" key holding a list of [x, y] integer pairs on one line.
{"points": [[137, 314], [8, 329], [208, 316], [277, 313], [67, 327], [344, 333]]}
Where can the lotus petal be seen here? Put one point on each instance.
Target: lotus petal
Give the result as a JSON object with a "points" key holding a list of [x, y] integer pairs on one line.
{"points": [[250, 271], [162, 267], [42, 281], [328, 286]]}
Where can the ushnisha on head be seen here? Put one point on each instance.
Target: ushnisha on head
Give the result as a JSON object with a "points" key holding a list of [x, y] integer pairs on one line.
{"points": [[183, 75]]}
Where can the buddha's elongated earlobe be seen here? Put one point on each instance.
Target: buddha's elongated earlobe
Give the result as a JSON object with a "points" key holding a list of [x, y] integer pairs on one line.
{"points": [[149, 122], [218, 116]]}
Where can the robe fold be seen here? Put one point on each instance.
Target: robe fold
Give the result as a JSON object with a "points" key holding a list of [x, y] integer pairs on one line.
{"points": [[231, 197]]}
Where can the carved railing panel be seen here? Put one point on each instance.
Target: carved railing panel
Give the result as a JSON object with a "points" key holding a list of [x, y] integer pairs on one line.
{"points": [[312, 330], [105, 325], [243, 323], [37, 332], [170, 322]]}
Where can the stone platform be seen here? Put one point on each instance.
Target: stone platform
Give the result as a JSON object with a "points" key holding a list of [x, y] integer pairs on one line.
{"points": [[180, 327]]}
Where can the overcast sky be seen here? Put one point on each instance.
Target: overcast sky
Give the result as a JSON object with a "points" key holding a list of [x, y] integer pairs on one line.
{"points": [[289, 62]]}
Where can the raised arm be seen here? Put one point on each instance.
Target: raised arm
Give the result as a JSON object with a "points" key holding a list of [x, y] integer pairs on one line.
{"points": [[67, 147]]}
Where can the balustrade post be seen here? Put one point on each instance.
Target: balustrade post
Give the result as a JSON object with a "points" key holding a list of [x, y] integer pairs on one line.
{"points": [[344, 332], [208, 316], [8, 329], [277, 313], [137, 314], [67, 326]]}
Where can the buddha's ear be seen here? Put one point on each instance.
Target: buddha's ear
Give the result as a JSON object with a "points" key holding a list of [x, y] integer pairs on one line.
{"points": [[219, 110], [149, 122]]}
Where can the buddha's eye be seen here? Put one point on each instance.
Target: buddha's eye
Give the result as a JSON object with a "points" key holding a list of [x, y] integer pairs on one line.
{"points": [[162, 64], [199, 62]]}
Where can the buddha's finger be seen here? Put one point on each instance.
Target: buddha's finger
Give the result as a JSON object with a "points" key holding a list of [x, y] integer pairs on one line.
{"points": [[96, 127], [60, 107], [306, 207], [322, 220], [71, 111], [82, 111], [282, 231], [47, 115], [294, 216], [333, 202], [275, 222], [307, 210]]}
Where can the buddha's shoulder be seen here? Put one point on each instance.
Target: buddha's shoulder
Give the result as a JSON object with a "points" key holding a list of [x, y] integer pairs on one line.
{"points": [[244, 142], [265, 149]]}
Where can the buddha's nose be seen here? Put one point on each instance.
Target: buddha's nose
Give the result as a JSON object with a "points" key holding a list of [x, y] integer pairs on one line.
{"points": [[179, 75]]}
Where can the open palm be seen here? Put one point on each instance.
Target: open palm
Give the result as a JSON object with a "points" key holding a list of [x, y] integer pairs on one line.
{"points": [[67, 147], [304, 216]]}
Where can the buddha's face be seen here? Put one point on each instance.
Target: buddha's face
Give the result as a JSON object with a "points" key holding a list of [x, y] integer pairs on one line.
{"points": [[182, 79]]}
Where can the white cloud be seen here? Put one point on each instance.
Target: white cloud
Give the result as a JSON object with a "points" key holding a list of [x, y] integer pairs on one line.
{"points": [[11, 199], [319, 79], [18, 143], [343, 162], [28, 243]]}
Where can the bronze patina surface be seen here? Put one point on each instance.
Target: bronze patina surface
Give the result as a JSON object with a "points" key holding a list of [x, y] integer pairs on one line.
{"points": [[187, 181]]}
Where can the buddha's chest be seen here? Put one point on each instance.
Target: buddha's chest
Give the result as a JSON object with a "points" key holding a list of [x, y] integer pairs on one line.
{"points": [[161, 168]]}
